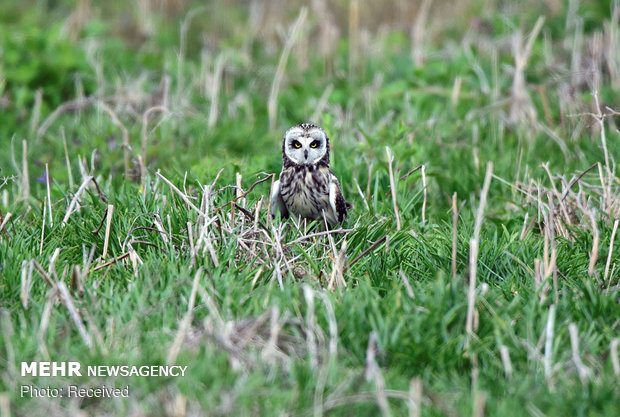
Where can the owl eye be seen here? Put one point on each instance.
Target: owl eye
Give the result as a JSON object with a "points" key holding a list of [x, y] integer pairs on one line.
{"points": [[314, 144], [296, 144]]}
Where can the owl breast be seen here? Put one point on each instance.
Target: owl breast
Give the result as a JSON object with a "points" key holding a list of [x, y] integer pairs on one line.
{"points": [[305, 190]]}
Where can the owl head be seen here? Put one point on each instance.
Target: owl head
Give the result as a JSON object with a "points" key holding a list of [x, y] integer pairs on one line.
{"points": [[305, 144]]}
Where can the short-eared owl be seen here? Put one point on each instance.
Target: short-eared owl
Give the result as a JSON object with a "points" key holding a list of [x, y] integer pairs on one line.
{"points": [[307, 187]]}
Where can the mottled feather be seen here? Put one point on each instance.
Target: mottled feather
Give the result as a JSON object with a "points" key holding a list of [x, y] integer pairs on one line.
{"points": [[308, 188]]}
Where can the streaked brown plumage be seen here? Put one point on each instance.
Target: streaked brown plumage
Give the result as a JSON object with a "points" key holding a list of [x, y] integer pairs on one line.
{"points": [[307, 187]]}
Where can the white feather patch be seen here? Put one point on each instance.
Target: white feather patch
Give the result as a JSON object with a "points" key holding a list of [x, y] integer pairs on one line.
{"points": [[332, 215], [275, 196]]}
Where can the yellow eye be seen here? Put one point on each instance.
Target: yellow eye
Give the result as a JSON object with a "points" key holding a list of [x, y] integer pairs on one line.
{"points": [[297, 145], [314, 144]]}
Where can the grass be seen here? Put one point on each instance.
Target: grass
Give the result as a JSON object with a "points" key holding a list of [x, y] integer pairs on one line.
{"points": [[168, 254]]}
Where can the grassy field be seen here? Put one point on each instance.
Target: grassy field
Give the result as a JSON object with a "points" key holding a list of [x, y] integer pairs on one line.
{"points": [[475, 275]]}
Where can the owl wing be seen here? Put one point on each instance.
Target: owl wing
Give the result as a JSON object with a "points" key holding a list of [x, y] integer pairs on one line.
{"points": [[336, 200], [277, 202]]}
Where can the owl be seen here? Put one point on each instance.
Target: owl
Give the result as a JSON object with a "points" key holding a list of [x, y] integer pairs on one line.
{"points": [[307, 187]]}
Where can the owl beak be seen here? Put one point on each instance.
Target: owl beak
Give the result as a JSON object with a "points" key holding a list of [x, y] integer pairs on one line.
{"points": [[306, 154]]}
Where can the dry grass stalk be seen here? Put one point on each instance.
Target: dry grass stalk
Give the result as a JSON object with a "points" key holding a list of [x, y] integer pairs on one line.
{"points": [[45, 319], [415, 397], [522, 109], [43, 273], [328, 34], [610, 203], [214, 89], [257, 210], [505, 355], [550, 266], [424, 193], [134, 259], [556, 194], [125, 133], [185, 23], [613, 351], [611, 250], [5, 220], [170, 232], [473, 254], [204, 233], [595, 243], [144, 143], [455, 219], [336, 278], [361, 193], [456, 91], [333, 326], [67, 301], [108, 225], [251, 340], [277, 233], [5, 405], [75, 199], [609, 180], [78, 18], [563, 212], [36, 111], [373, 373], [418, 32], [42, 230], [26, 283], [272, 102], [209, 247], [180, 193], [110, 262], [310, 325], [406, 283], [192, 247], [548, 359], [49, 198], [370, 166], [92, 325], [8, 336], [390, 158], [160, 229], [543, 272], [539, 282], [76, 104], [322, 103], [475, 371], [480, 400], [256, 277], [83, 166], [238, 197], [243, 193], [561, 142], [271, 353], [174, 350], [366, 252], [526, 227], [582, 370], [77, 282], [612, 30], [354, 23], [25, 179], [332, 352], [51, 268]]}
